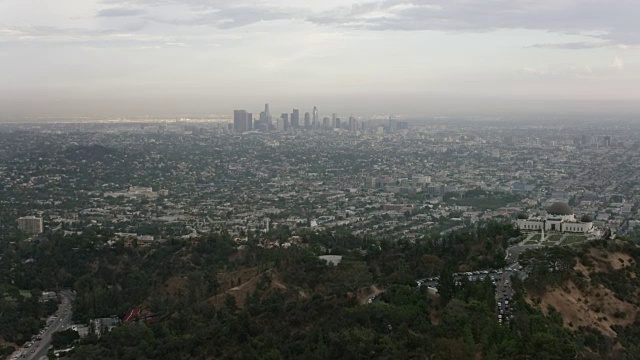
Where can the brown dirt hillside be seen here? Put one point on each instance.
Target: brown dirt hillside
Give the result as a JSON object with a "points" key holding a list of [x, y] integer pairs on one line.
{"points": [[592, 305], [229, 280], [364, 294], [251, 277], [595, 309]]}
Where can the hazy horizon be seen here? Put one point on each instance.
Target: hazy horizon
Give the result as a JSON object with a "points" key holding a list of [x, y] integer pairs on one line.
{"points": [[120, 58]]}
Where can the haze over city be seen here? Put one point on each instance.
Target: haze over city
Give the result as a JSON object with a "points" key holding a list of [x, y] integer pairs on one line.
{"points": [[411, 57]]}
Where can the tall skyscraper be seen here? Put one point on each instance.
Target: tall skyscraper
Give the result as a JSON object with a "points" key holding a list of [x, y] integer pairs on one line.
{"points": [[249, 121], [295, 118], [307, 120], [333, 121], [240, 120], [316, 120], [326, 122], [285, 119], [267, 116], [262, 119], [353, 123]]}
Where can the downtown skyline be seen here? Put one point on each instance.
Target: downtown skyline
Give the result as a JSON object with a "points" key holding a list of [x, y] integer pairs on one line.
{"points": [[419, 58]]}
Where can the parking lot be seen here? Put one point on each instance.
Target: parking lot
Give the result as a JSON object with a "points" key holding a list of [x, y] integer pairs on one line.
{"points": [[501, 279]]}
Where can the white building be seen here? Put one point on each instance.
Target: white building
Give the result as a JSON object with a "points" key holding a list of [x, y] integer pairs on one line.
{"points": [[420, 180], [559, 218], [30, 224]]}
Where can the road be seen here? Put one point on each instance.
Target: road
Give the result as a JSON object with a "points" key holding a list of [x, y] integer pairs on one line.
{"points": [[62, 320]]}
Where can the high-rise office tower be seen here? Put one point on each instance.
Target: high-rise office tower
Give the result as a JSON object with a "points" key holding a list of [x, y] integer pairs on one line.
{"points": [[333, 121], [285, 118], [353, 123], [326, 123], [307, 120], [249, 121], [316, 120], [240, 120], [295, 118], [263, 119], [267, 115], [338, 123]]}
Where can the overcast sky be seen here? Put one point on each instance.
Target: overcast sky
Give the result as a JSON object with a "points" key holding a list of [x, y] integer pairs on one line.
{"points": [[412, 57]]}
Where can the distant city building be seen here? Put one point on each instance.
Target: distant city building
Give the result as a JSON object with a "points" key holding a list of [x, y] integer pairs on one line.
{"points": [[353, 123], [266, 121], [326, 122], [267, 114], [559, 218], [420, 180], [240, 120], [285, 118], [316, 120], [307, 120], [295, 118], [333, 120], [371, 182], [522, 188], [393, 124], [31, 224]]}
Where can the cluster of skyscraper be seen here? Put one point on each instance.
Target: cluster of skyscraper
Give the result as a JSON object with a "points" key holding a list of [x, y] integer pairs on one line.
{"points": [[243, 121]]}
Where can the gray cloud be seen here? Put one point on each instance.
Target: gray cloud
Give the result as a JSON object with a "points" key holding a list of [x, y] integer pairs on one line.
{"points": [[574, 45], [222, 14], [119, 12], [614, 21], [66, 34], [230, 17]]}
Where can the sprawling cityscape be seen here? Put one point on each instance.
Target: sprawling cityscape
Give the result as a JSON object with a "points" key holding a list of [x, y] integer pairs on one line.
{"points": [[272, 184], [319, 179], [369, 177]]}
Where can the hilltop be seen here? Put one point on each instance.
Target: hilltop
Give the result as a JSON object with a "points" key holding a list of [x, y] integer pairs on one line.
{"points": [[592, 290]]}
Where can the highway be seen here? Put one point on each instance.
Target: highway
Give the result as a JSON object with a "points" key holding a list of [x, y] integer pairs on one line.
{"points": [[61, 320]]}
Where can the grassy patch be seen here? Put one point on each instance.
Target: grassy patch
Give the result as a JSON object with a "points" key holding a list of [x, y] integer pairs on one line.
{"points": [[572, 239], [536, 237], [488, 202], [554, 237], [530, 242]]}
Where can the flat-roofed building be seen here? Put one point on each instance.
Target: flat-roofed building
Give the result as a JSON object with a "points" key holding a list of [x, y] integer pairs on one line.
{"points": [[31, 224]]}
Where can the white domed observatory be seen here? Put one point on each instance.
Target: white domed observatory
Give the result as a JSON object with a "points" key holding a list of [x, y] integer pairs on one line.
{"points": [[559, 218]]}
